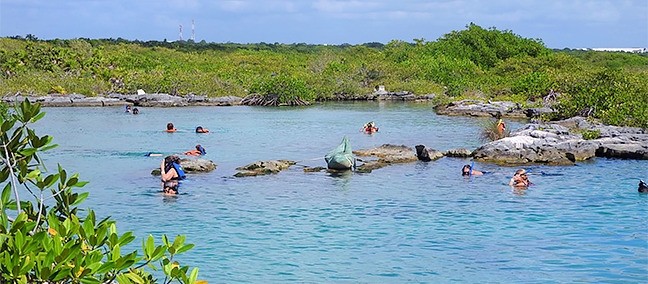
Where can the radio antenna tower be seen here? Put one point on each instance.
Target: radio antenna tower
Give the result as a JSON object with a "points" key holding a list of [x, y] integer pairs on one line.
{"points": [[180, 31], [193, 31]]}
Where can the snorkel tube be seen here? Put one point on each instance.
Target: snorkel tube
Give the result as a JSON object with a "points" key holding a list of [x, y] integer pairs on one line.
{"points": [[471, 168]]}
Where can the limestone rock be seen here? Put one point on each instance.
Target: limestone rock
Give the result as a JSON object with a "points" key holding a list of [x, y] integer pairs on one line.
{"points": [[264, 168], [478, 108], [386, 154], [192, 166], [458, 153], [561, 143]]}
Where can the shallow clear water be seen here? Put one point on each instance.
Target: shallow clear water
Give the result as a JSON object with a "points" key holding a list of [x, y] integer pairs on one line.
{"points": [[419, 222]]}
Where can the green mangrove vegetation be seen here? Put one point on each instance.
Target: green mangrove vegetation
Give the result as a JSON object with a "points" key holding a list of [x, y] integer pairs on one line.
{"points": [[471, 63], [46, 238]]}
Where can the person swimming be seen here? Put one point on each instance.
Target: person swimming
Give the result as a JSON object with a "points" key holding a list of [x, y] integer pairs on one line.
{"points": [[467, 170], [520, 179], [135, 111], [197, 152], [370, 127], [170, 128], [643, 187], [200, 129], [128, 108]]}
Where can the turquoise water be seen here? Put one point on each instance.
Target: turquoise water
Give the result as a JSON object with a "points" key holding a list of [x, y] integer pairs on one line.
{"points": [[412, 223]]}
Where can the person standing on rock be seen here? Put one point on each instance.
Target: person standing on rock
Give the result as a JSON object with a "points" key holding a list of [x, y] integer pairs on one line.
{"points": [[501, 128]]}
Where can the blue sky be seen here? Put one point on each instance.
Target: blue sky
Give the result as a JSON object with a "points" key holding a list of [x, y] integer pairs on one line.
{"points": [[559, 23]]}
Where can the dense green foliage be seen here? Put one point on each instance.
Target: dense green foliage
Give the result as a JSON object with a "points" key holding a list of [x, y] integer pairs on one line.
{"points": [[474, 62], [45, 238]]}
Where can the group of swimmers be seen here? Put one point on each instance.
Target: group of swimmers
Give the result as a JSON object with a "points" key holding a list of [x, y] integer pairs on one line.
{"points": [[519, 180], [170, 128], [131, 110], [170, 169]]}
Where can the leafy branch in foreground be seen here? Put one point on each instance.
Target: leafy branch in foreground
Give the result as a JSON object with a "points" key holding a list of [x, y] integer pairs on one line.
{"points": [[44, 239]]}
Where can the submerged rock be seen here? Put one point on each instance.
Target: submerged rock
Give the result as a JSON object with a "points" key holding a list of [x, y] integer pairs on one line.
{"points": [[263, 168]]}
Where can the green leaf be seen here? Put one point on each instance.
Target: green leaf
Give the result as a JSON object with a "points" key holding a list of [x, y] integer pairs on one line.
{"points": [[136, 278], [165, 240], [62, 174], [38, 117], [6, 195], [48, 147], [126, 238], [179, 241], [105, 267], [28, 151], [185, 248], [50, 180], [123, 279], [116, 253], [149, 246], [80, 198], [33, 174], [194, 275], [8, 124], [88, 226], [158, 253]]}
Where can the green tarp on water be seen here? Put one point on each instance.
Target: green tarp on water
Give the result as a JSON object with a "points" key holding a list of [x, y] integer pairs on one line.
{"points": [[340, 158]]}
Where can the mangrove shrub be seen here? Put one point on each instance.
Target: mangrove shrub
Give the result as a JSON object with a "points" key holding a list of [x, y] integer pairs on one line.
{"points": [[46, 238]]}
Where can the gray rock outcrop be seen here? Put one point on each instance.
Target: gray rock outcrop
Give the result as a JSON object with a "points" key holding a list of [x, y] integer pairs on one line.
{"points": [[192, 166], [562, 143], [478, 108], [143, 100], [263, 168], [385, 155]]}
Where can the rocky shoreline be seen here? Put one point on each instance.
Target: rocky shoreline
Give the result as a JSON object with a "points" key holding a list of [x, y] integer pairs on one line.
{"points": [[143, 99]]}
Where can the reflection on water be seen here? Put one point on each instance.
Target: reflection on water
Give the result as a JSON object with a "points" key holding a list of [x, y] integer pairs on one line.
{"points": [[418, 222]]}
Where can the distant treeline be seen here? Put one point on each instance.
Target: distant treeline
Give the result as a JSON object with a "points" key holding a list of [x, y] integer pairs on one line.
{"points": [[471, 63]]}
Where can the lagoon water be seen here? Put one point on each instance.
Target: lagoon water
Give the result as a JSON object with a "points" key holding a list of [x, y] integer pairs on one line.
{"points": [[411, 223]]}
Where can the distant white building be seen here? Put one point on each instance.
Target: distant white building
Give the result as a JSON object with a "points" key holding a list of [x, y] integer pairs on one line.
{"points": [[618, 49]]}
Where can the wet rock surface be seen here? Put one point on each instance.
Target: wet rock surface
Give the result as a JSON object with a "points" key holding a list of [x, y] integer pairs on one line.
{"points": [[385, 155], [192, 166], [263, 168]]}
